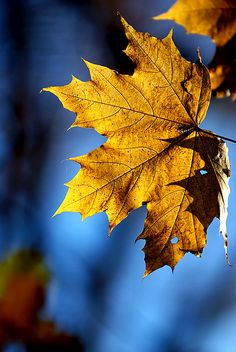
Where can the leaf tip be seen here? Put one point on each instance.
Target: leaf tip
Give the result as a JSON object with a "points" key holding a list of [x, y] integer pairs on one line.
{"points": [[70, 127], [110, 228], [61, 208], [73, 158], [225, 238], [46, 89], [146, 273], [161, 17], [122, 18], [83, 216], [52, 89], [125, 24], [86, 62], [199, 55], [170, 34], [57, 212]]}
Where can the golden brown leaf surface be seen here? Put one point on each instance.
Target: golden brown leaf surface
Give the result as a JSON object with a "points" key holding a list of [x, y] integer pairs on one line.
{"points": [[155, 150], [216, 18]]}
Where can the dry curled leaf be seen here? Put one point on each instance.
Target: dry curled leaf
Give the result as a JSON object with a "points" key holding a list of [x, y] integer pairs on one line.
{"points": [[155, 153], [217, 19]]}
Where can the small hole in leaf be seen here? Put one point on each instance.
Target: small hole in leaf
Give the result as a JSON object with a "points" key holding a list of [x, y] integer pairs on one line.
{"points": [[203, 172], [174, 240]]}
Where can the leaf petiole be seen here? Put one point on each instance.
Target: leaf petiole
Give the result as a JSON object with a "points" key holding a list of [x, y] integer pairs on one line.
{"points": [[217, 135]]}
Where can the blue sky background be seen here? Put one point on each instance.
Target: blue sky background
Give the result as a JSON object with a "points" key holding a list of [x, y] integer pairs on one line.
{"points": [[97, 290]]}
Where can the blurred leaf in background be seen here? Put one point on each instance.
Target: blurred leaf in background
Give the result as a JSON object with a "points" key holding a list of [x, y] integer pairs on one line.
{"points": [[23, 281]]}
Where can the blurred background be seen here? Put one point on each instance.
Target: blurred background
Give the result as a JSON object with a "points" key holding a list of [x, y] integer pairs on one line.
{"points": [[64, 285]]}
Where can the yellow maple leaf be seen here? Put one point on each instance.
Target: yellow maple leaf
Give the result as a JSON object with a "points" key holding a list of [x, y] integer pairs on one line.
{"points": [[155, 152], [216, 18]]}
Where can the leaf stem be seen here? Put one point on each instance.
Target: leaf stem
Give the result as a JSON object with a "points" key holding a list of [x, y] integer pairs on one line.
{"points": [[217, 135]]}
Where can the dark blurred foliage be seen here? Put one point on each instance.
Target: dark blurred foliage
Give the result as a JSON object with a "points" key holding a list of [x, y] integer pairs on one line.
{"points": [[41, 44], [103, 13], [223, 70]]}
